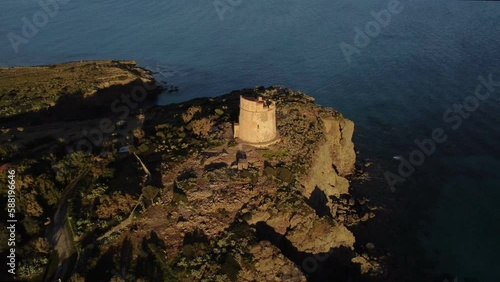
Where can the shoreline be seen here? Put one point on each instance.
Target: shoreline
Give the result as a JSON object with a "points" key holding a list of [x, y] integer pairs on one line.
{"points": [[360, 165]]}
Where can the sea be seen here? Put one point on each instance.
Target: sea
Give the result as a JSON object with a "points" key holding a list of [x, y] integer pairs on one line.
{"points": [[403, 71]]}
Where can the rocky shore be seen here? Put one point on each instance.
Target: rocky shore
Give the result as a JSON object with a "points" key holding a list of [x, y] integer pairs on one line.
{"points": [[175, 205], [290, 208]]}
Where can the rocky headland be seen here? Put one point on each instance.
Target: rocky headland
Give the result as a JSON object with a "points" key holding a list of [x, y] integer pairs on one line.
{"points": [[164, 196]]}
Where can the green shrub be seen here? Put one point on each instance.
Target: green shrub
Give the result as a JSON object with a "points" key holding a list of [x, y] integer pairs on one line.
{"points": [[179, 195], [270, 171], [284, 174], [230, 267], [269, 154], [188, 250], [219, 112], [143, 148], [149, 193]]}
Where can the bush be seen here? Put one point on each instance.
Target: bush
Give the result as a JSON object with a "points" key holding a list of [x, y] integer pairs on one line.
{"points": [[201, 127], [41, 245], [138, 134], [284, 174], [71, 166], [31, 266], [143, 148], [270, 171], [269, 154], [31, 226], [179, 195], [231, 268], [188, 250], [7, 151], [149, 193], [189, 114], [160, 135], [219, 112], [114, 205]]}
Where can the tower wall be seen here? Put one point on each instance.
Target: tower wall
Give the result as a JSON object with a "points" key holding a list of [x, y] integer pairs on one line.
{"points": [[257, 121]]}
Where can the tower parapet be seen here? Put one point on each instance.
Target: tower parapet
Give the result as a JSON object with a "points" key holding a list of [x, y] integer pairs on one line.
{"points": [[257, 122]]}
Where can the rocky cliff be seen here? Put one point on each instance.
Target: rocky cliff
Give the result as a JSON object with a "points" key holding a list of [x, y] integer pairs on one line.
{"points": [[284, 218], [185, 202]]}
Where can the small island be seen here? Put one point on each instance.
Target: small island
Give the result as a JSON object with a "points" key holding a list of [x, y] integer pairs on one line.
{"points": [[247, 186]]}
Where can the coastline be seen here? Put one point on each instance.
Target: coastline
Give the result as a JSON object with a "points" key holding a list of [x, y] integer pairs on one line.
{"points": [[364, 244]]}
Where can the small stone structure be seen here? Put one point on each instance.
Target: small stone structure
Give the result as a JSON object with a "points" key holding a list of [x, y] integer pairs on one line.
{"points": [[257, 122], [241, 160]]}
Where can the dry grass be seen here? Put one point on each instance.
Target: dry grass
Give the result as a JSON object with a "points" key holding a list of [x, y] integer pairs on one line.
{"points": [[24, 89]]}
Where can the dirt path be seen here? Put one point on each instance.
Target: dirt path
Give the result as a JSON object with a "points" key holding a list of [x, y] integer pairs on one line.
{"points": [[60, 235]]}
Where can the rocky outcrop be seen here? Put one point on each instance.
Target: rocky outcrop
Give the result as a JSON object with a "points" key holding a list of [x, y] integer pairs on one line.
{"points": [[338, 132], [271, 265], [292, 218], [210, 209], [334, 158], [290, 203]]}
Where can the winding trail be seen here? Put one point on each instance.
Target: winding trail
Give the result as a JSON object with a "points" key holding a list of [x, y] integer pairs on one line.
{"points": [[60, 236]]}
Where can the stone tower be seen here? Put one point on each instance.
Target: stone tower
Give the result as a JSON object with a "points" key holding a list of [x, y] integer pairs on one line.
{"points": [[257, 122]]}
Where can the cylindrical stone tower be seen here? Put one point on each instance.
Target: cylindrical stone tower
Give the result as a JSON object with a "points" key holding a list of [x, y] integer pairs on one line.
{"points": [[257, 122]]}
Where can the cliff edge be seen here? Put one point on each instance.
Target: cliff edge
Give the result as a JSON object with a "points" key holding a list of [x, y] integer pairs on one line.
{"points": [[232, 212], [169, 195]]}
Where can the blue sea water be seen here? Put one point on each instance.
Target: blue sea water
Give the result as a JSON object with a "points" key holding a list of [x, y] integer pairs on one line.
{"points": [[396, 89]]}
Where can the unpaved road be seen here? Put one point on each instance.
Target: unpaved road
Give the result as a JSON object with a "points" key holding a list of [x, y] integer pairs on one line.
{"points": [[59, 235]]}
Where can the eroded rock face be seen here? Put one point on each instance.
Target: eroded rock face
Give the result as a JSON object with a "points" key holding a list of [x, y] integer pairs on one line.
{"points": [[271, 265], [334, 158], [339, 133], [298, 223]]}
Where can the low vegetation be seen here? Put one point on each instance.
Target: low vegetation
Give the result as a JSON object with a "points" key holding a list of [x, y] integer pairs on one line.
{"points": [[31, 89]]}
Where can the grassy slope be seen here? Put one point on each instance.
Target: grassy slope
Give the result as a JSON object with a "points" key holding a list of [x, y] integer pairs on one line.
{"points": [[24, 89]]}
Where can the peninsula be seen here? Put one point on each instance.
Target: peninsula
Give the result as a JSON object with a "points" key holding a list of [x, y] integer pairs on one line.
{"points": [[196, 191]]}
